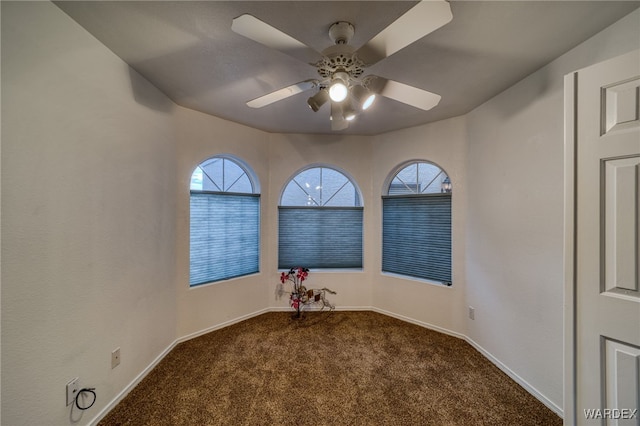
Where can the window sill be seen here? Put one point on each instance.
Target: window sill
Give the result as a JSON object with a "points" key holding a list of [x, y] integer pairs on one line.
{"points": [[420, 280], [212, 283], [329, 270]]}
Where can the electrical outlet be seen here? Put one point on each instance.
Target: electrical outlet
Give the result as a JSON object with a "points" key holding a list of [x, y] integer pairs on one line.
{"points": [[115, 358], [73, 387], [472, 313]]}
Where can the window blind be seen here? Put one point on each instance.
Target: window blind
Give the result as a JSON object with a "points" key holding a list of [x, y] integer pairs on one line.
{"points": [[416, 236], [225, 236], [320, 237]]}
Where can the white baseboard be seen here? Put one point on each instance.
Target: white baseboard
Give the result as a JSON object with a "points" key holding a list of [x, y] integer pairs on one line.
{"points": [[164, 353], [420, 323], [221, 325], [354, 308], [317, 309], [131, 385], [533, 391], [528, 387]]}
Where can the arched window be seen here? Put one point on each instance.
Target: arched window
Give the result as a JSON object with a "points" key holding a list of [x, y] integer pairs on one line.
{"points": [[225, 221], [416, 223], [320, 221]]}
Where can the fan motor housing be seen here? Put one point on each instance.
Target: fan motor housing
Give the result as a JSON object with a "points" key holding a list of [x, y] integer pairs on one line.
{"points": [[339, 57]]}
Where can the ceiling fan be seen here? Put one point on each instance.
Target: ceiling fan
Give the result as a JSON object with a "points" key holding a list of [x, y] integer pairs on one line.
{"points": [[341, 67]]}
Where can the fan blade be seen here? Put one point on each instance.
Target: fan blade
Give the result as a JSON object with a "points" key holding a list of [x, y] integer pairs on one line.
{"points": [[422, 19], [251, 27], [408, 94], [283, 93], [337, 118]]}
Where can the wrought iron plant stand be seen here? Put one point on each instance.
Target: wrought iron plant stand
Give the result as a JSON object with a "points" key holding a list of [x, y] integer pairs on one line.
{"points": [[303, 298]]}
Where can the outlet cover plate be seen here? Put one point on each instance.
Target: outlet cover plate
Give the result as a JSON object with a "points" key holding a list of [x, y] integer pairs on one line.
{"points": [[115, 358], [72, 390]]}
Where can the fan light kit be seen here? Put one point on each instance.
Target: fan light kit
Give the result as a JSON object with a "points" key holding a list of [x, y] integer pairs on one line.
{"points": [[341, 67]]}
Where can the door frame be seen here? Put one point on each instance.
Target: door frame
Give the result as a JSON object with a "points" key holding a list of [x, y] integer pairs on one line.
{"points": [[570, 243], [569, 249]]}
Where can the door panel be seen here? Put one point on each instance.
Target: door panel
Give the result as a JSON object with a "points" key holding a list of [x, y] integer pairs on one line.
{"points": [[621, 183], [621, 373]]}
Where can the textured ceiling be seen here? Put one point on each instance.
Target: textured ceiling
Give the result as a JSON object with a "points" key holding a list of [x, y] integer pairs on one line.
{"points": [[187, 50]]}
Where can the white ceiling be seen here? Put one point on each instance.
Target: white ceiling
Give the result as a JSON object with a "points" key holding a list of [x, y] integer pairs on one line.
{"points": [[187, 50]]}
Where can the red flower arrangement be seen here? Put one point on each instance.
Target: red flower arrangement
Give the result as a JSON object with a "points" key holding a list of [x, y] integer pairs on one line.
{"points": [[296, 276]]}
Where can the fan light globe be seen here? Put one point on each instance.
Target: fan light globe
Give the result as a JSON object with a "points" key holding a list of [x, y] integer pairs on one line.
{"points": [[363, 96], [338, 91], [348, 111], [369, 101]]}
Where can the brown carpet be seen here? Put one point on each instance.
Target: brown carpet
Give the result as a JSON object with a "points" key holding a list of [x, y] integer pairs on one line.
{"points": [[332, 368]]}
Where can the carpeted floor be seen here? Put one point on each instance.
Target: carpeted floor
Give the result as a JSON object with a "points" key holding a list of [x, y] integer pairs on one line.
{"points": [[338, 368]]}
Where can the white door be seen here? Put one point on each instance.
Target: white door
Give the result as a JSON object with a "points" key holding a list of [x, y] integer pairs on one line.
{"points": [[607, 232]]}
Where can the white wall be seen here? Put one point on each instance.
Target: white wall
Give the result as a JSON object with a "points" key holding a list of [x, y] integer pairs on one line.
{"points": [[515, 216], [95, 174], [88, 217]]}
